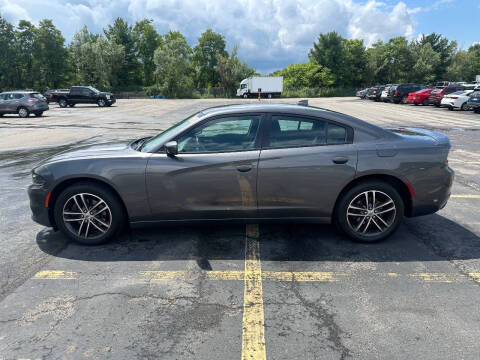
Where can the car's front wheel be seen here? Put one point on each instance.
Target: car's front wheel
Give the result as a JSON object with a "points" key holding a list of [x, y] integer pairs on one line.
{"points": [[62, 103], [89, 213], [464, 107], [23, 112], [370, 211], [101, 102]]}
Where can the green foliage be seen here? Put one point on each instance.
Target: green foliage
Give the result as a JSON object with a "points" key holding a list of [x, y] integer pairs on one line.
{"points": [[174, 66], [426, 62], [304, 75], [205, 59], [231, 71], [147, 40], [96, 59], [121, 33], [465, 65]]}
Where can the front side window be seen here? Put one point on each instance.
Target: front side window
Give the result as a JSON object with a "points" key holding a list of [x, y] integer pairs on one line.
{"points": [[233, 133], [243, 86], [287, 131], [18, 96]]}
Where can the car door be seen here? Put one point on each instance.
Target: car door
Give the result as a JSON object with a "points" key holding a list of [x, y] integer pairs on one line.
{"points": [[214, 174], [304, 164], [3, 103]]}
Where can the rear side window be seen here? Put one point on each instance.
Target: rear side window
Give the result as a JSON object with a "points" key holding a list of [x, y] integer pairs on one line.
{"points": [[290, 131], [18, 96], [37, 96], [336, 134]]}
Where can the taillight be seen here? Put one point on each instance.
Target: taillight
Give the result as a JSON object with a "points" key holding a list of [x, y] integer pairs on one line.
{"points": [[396, 92], [454, 97], [51, 95], [32, 99]]}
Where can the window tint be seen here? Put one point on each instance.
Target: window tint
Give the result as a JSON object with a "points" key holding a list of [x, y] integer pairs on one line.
{"points": [[235, 133], [336, 134], [289, 131], [86, 92], [75, 91], [18, 96]]}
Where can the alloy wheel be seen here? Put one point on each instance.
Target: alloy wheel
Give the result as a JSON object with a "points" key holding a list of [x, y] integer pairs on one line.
{"points": [[371, 213], [23, 112], [87, 216]]}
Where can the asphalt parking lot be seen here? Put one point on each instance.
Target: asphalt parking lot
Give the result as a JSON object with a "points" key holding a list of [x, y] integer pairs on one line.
{"points": [[238, 291]]}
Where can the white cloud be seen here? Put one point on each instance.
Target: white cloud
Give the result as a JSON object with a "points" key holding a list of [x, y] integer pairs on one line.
{"points": [[270, 33]]}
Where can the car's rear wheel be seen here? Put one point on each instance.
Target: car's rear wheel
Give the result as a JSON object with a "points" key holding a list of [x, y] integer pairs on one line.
{"points": [[369, 212], [464, 107], [62, 103], [425, 102], [23, 112], [89, 214], [450, 108], [101, 102]]}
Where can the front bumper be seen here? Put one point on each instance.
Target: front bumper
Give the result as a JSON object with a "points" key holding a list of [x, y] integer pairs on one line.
{"points": [[40, 213], [112, 100]]}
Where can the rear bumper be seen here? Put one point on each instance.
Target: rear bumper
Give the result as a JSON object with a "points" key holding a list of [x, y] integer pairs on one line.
{"points": [[434, 195], [40, 213]]}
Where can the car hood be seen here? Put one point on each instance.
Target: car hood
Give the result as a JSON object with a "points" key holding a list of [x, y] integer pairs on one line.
{"points": [[117, 149], [105, 93]]}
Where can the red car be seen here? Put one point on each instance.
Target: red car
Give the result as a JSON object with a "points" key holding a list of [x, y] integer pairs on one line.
{"points": [[419, 97]]}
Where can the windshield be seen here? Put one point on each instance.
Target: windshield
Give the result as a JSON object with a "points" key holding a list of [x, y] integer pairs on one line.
{"points": [[94, 90], [164, 136]]}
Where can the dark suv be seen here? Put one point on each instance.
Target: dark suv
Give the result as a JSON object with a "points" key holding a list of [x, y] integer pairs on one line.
{"points": [[400, 93], [374, 92], [23, 103]]}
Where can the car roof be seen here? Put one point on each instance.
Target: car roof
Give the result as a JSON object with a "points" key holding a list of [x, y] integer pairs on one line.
{"points": [[291, 109], [19, 91]]}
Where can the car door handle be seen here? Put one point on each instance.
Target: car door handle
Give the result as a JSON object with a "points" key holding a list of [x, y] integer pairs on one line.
{"points": [[244, 168], [340, 160]]}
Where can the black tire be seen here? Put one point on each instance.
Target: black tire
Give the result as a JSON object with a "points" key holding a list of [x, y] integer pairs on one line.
{"points": [[425, 102], [101, 102], [416, 104], [450, 108], [38, 114], [71, 105], [62, 103], [269, 96], [437, 105], [245, 96], [23, 112], [464, 107], [340, 216], [1, 115], [90, 190], [476, 110]]}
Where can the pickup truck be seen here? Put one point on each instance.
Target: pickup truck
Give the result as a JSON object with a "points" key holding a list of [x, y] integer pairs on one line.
{"points": [[82, 95]]}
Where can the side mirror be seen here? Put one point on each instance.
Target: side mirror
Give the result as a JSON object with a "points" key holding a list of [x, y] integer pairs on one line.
{"points": [[171, 148]]}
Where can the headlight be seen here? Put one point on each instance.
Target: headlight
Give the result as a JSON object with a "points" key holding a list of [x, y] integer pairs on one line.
{"points": [[37, 179]]}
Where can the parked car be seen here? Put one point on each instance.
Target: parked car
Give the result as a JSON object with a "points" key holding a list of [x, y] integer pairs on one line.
{"points": [[23, 103], [439, 92], [82, 95], [401, 91], [456, 100], [232, 162], [419, 97], [384, 96], [362, 93], [375, 92], [473, 101], [48, 94]]}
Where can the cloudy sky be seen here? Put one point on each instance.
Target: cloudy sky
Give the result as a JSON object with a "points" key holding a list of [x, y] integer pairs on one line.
{"points": [[270, 33]]}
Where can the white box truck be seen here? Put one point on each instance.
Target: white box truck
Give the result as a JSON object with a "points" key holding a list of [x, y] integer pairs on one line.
{"points": [[269, 86]]}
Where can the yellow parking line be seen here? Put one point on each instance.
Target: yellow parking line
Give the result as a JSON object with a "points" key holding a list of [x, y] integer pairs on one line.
{"points": [[156, 275], [475, 276], [472, 162], [319, 276], [466, 196], [253, 325], [56, 275]]}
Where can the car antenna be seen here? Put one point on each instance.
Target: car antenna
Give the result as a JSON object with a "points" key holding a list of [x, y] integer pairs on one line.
{"points": [[303, 103]]}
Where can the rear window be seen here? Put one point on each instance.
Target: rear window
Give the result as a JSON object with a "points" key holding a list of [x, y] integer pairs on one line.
{"points": [[36, 96], [18, 96], [437, 90]]}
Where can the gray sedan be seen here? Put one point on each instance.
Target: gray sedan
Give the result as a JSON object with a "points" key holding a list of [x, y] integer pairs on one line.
{"points": [[248, 163]]}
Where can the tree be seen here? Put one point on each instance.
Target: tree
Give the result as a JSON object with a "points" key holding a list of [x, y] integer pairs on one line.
{"points": [[328, 52], [174, 66], [7, 55], [147, 40], [426, 61], [121, 33], [465, 65], [50, 56], [306, 75], [205, 58], [231, 71], [25, 36], [354, 62], [446, 50], [96, 59]]}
